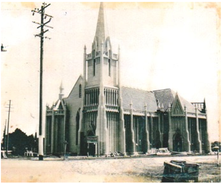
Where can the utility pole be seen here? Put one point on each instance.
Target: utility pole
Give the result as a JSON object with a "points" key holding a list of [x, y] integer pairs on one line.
{"points": [[7, 140], [4, 136], [42, 25]]}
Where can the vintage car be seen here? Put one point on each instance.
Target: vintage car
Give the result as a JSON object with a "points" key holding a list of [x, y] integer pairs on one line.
{"points": [[163, 152], [152, 151], [179, 153]]}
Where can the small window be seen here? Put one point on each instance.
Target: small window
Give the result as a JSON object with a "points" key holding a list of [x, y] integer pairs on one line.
{"points": [[80, 91]]}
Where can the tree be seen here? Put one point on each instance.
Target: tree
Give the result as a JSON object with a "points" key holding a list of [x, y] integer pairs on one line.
{"points": [[19, 142], [214, 144]]}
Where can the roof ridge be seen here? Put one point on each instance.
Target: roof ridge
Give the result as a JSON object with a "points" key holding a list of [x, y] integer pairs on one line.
{"points": [[136, 88], [163, 89]]}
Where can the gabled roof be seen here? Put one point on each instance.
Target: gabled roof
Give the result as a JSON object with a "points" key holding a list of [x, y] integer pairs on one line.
{"points": [[153, 99], [177, 108], [138, 98], [59, 105], [79, 78], [167, 96], [188, 105]]}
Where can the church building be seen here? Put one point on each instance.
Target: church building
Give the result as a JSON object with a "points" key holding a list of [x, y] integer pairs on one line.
{"points": [[100, 116]]}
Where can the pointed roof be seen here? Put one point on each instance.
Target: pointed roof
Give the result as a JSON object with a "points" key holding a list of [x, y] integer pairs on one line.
{"points": [[60, 91], [59, 105], [167, 97], [61, 88], [78, 81], [100, 28], [100, 35], [177, 108]]}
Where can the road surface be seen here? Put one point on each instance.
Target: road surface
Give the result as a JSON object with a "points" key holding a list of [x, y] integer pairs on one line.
{"points": [[145, 169]]}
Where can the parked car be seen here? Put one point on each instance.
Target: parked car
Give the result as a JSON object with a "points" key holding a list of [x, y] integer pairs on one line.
{"points": [[152, 151], [179, 153], [163, 152]]}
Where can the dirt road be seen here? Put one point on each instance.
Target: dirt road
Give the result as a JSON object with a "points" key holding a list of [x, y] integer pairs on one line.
{"points": [[146, 169]]}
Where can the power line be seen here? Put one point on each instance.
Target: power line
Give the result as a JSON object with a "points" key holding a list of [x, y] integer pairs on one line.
{"points": [[42, 25]]}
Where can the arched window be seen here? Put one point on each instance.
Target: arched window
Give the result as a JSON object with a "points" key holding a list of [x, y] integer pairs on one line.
{"points": [[80, 91]]}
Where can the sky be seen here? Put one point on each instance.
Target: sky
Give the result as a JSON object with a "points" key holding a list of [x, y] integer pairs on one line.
{"points": [[163, 45]]}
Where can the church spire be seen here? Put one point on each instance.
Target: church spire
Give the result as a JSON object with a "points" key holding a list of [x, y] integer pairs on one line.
{"points": [[100, 28], [60, 91]]}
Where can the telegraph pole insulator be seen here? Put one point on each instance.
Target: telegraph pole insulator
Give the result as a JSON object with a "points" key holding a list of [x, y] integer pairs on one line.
{"points": [[42, 24]]}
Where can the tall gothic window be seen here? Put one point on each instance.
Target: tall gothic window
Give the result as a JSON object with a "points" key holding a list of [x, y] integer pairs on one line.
{"points": [[94, 67], [80, 91], [109, 65], [77, 126]]}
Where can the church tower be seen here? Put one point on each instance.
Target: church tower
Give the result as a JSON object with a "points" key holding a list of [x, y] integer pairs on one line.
{"points": [[101, 63], [100, 111]]}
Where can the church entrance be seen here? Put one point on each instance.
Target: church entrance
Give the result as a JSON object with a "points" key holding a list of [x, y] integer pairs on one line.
{"points": [[177, 142], [92, 145], [91, 149]]}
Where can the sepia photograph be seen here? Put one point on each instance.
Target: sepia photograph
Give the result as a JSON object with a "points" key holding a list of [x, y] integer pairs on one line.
{"points": [[110, 91]]}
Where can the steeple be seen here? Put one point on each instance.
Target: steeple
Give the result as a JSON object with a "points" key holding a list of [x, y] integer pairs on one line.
{"points": [[60, 92], [100, 35], [102, 62]]}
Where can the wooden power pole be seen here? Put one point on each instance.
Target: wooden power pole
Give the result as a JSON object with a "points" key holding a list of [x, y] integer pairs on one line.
{"points": [[7, 139], [42, 25]]}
